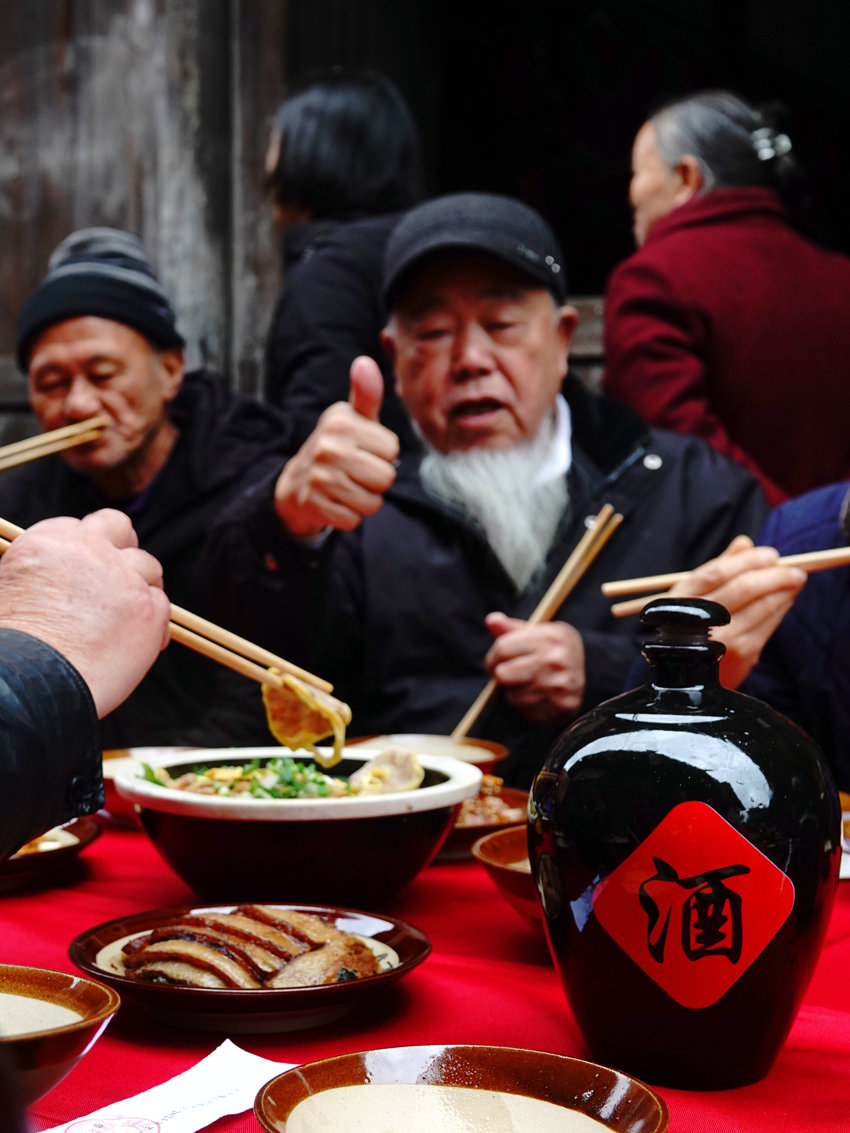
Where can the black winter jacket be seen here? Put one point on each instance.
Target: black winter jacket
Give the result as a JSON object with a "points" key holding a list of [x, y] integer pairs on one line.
{"points": [[329, 312], [393, 612], [225, 441], [50, 761]]}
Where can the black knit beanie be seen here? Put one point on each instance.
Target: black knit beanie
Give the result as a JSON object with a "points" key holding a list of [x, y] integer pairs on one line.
{"points": [[103, 272]]}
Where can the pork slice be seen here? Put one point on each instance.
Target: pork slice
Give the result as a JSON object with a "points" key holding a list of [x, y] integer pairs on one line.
{"points": [[305, 926], [259, 961], [344, 958], [197, 955], [173, 972], [277, 940]]}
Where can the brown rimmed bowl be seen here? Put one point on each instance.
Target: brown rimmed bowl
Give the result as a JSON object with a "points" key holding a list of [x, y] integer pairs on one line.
{"points": [[44, 866], [357, 850], [615, 1100], [504, 854], [259, 1010], [42, 1057]]}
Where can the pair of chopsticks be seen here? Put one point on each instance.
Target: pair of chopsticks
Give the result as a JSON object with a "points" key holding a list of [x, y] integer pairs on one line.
{"points": [[586, 550], [213, 641], [659, 583], [55, 441]]}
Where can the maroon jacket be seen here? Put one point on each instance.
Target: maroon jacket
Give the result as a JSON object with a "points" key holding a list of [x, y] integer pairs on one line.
{"points": [[730, 326]]}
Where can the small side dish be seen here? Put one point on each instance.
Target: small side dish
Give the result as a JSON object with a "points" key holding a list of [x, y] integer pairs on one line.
{"points": [[490, 807], [54, 839], [255, 946], [398, 948]]}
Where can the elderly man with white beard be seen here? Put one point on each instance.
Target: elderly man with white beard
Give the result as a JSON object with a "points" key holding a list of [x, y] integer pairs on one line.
{"points": [[409, 582]]}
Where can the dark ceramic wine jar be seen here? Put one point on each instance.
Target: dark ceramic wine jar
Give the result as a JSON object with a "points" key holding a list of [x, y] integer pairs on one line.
{"points": [[685, 842]]}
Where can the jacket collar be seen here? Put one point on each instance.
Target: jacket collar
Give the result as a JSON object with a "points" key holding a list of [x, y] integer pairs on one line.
{"points": [[719, 206]]}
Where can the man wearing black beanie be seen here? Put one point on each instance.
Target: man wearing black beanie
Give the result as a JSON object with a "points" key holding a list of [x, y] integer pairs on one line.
{"points": [[98, 337]]}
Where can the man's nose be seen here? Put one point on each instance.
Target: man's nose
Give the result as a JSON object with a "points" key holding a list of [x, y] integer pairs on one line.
{"points": [[472, 353], [81, 400]]}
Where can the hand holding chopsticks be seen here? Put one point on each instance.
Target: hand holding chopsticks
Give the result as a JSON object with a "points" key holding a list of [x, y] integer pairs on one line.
{"points": [[213, 641], [55, 441], [586, 550], [659, 584]]}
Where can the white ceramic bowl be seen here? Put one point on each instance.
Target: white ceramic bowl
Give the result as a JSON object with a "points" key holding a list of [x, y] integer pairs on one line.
{"points": [[358, 850]]}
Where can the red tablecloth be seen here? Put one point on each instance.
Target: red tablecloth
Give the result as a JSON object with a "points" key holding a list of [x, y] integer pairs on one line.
{"points": [[488, 980]]}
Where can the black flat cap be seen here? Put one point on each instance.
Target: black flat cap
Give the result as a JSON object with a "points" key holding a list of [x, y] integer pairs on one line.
{"points": [[481, 222], [103, 272]]}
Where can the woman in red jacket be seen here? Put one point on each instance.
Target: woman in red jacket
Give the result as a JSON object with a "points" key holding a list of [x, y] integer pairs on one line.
{"points": [[726, 323]]}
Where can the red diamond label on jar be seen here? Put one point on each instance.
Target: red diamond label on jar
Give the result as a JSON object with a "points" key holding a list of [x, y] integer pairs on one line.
{"points": [[694, 905]]}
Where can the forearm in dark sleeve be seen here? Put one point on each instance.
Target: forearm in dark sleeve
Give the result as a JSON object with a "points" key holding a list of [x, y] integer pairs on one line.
{"points": [[50, 756]]}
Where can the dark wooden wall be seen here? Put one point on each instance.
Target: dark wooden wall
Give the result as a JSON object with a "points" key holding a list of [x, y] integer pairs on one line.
{"points": [[151, 115]]}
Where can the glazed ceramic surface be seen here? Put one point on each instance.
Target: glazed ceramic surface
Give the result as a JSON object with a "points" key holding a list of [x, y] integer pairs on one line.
{"points": [[618, 1102], [261, 1009], [43, 867], [42, 1058], [685, 842], [358, 850], [504, 854]]}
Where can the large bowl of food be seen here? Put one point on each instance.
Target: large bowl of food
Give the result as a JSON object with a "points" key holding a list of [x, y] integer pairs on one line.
{"points": [[457, 1089], [49, 1020], [259, 824]]}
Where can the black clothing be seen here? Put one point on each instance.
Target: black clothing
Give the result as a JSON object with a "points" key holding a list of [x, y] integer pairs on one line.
{"points": [[328, 313], [393, 612], [50, 758], [224, 441]]}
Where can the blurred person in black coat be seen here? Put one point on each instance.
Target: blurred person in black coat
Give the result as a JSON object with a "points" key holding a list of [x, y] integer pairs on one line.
{"points": [[343, 164]]}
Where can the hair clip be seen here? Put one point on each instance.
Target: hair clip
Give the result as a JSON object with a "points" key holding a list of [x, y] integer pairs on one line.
{"points": [[770, 144]]}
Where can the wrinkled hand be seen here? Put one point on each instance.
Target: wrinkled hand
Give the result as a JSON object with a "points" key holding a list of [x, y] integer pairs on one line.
{"points": [[756, 592], [540, 668], [340, 473], [85, 587]]}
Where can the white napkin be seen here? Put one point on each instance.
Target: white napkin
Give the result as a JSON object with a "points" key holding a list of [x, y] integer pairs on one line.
{"points": [[225, 1082]]}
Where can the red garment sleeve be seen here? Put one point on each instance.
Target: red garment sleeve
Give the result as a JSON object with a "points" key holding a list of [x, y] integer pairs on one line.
{"points": [[655, 345]]}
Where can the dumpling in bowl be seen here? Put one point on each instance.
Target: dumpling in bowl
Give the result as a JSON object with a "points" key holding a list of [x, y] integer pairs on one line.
{"points": [[299, 716], [391, 770]]}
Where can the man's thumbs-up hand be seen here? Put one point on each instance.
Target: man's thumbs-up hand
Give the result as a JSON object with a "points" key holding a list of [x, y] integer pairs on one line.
{"points": [[367, 387], [340, 473]]}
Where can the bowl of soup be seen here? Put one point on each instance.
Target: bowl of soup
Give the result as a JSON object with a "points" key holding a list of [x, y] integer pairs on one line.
{"points": [[356, 850], [457, 1089], [48, 1021]]}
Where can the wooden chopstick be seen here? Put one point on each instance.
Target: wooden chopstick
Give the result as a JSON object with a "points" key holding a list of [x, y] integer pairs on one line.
{"points": [[634, 605], [232, 642], [214, 641], [808, 561], [583, 554], [55, 441]]}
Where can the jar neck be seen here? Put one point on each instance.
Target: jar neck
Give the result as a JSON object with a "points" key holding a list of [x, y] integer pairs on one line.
{"points": [[684, 666]]}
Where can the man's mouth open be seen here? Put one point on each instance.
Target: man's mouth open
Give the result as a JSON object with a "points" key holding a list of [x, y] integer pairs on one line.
{"points": [[477, 412]]}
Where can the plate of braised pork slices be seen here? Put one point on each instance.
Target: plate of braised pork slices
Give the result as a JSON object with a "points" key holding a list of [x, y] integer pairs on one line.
{"points": [[250, 967]]}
